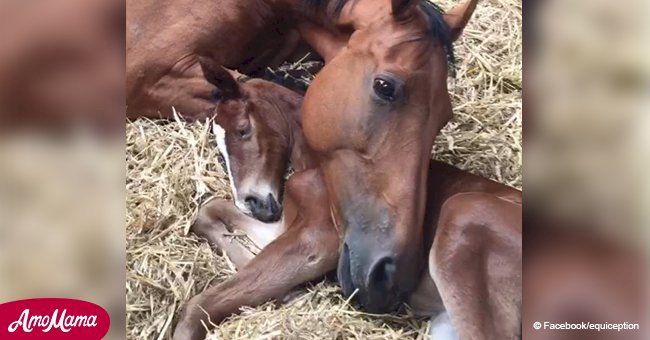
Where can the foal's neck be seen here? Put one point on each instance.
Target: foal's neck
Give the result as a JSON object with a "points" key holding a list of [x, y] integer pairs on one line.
{"points": [[288, 104], [300, 154], [302, 157]]}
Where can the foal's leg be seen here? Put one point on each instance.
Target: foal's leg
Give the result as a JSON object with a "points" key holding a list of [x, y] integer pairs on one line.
{"points": [[219, 221], [301, 254], [475, 262]]}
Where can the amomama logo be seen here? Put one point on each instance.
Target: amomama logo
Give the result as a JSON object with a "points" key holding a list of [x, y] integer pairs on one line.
{"points": [[53, 318]]}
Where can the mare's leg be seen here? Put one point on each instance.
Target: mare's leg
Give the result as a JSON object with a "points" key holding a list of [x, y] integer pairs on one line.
{"points": [[187, 91], [475, 262], [219, 221], [325, 42], [301, 254], [183, 87]]}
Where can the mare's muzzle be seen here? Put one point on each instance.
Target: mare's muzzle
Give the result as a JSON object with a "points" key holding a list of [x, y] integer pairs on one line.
{"points": [[369, 265]]}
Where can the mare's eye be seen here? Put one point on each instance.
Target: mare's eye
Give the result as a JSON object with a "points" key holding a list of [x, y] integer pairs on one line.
{"points": [[385, 89], [244, 132]]}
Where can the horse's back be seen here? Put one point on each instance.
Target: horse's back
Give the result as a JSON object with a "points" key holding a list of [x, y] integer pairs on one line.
{"points": [[446, 181]]}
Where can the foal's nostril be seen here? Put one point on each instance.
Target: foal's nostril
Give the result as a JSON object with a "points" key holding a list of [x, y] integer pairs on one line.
{"points": [[273, 204], [253, 202], [265, 209], [382, 274]]}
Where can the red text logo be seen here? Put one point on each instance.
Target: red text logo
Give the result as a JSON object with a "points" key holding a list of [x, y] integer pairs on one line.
{"points": [[52, 318]]}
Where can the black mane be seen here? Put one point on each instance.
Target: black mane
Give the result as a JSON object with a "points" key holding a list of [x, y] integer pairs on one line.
{"points": [[438, 29]]}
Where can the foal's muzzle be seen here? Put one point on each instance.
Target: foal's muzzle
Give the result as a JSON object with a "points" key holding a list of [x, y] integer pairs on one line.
{"points": [[264, 209]]}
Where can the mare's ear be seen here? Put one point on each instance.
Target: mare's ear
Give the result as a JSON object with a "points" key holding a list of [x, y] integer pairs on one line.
{"points": [[220, 77], [457, 18], [401, 8]]}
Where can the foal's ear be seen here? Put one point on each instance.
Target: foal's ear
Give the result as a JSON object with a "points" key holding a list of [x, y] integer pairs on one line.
{"points": [[457, 17], [401, 8], [220, 77]]}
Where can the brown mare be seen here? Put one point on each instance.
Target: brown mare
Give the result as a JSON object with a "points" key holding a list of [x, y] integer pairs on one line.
{"points": [[371, 115], [304, 245], [166, 38]]}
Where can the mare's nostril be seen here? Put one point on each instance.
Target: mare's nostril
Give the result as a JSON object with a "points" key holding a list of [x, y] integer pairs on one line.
{"points": [[382, 275], [344, 271]]}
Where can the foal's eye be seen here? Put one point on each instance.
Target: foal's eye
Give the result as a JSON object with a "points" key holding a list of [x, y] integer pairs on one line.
{"points": [[244, 132], [385, 89]]}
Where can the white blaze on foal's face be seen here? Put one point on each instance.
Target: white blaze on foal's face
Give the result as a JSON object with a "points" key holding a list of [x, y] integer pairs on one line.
{"points": [[220, 135]]}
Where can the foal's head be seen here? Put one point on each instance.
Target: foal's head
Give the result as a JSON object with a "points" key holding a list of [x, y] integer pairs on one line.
{"points": [[253, 128], [372, 113]]}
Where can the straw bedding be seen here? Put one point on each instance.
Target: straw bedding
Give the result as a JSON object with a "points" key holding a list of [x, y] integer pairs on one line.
{"points": [[172, 166]]}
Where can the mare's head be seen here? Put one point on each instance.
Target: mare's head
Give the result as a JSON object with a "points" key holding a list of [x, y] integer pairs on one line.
{"points": [[372, 113], [253, 128]]}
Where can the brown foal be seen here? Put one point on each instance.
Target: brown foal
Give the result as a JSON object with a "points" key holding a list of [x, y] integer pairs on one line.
{"points": [[474, 259], [303, 245], [256, 122]]}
